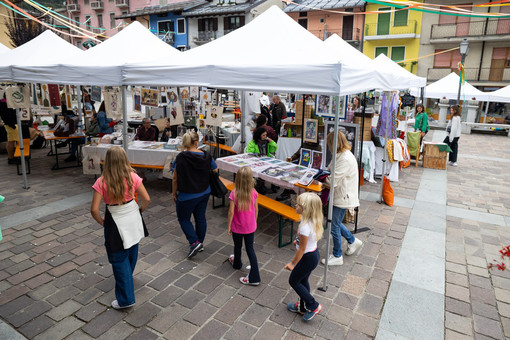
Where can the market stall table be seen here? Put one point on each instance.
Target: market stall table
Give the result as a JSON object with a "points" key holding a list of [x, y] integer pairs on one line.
{"points": [[231, 134], [52, 139]]}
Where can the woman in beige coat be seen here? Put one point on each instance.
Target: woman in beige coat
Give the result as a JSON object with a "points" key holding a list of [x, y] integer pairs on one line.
{"points": [[345, 197]]}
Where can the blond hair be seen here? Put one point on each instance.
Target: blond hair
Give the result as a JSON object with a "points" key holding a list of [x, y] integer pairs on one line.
{"points": [[343, 143], [116, 172], [244, 187], [189, 139], [312, 212]]}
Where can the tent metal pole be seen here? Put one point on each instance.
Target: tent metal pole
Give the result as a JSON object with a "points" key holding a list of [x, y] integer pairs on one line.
{"points": [[486, 111], [362, 102], [385, 154], [125, 139], [422, 93], [22, 151], [331, 195], [243, 120]]}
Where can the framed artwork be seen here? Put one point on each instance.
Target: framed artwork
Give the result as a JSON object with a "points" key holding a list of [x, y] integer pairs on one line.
{"points": [[184, 92], [176, 114], [137, 101], [351, 132], [316, 159], [311, 130], [24, 114], [205, 96], [323, 105], [150, 97], [95, 93], [172, 95], [194, 92], [214, 118], [306, 156], [201, 124]]}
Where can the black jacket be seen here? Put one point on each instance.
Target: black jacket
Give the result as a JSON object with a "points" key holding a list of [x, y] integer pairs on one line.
{"points": [[192, 171], [8, 115]]}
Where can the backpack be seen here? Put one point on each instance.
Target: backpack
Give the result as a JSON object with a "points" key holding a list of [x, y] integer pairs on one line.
{"points": [[39, 142]]}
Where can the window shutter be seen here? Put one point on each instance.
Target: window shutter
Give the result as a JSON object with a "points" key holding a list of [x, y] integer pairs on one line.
{"points": [[201, 25], [215, 24], [226, 23], [443, 59], [400, 18]]}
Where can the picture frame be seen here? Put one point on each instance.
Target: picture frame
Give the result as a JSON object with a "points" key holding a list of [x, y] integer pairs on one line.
{"points": [[184, 93], [323, 105], [215, 116], [311, 131], [316, 159], [330, 109], [95, 93], [150, 97], [351, 132], [305, 158], [172, 95], [175, 113], [137, 101]]}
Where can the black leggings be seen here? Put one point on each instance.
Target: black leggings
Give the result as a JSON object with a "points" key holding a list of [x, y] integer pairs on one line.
{"points": [[254, 275], [298, 280]]}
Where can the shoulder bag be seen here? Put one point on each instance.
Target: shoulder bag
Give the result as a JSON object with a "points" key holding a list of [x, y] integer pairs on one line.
{"points": [[218, 189]]}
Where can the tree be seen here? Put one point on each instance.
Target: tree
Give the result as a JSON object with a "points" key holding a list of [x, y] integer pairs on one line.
{"points": [[21, 29]]}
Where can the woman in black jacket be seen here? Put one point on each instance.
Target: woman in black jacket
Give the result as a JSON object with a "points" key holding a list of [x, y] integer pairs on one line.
{"points": [[191, 190]]}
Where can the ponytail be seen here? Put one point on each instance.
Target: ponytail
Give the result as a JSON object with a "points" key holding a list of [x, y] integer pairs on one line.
{"points": [[189, 139]]}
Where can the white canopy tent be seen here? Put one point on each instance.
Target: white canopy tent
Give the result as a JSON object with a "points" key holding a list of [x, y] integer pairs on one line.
{"points": [[448, 88], [102, 64], [502, 95], [46, 46], [243, 60], [359, 73], [400, 77]]}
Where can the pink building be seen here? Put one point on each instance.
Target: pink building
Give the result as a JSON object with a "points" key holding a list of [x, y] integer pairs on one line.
{"points": [[99, 16], [315, 16]]}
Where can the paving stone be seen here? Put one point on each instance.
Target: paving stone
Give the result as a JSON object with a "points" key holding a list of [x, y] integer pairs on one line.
{"points": [[64, 310], [281, 315], [28, 313], [365, 324], [355, 335], [142, 334], [190, 299], [186, 281], [208, 284], [36, 326], [167, 317], [164, 280], [221, 295], [233, 309], [200, 314], [505, 322], [61, 329], [181, 330], [63, 295], [354, 285], [370, 305], [331, 330], [103, 322], [482, 294], [269, 331], [457, 292], [340, 314], [346, 300], [67, 279], [167, 296], [88, 296], [479, 281], [488, 327], [15, 305], [29, 273], [457, 279], [504, 309], [486, 310], [212, 330], [270, 297], [458, 323], [502, 295], [377, 287], [452, 335], [240, 330], [90, 311], [257, 314], [458, 307], [121, 330]]}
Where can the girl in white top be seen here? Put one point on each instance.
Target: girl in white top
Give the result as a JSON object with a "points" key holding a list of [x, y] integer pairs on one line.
{"points": [[453, 134], [310, 230]]}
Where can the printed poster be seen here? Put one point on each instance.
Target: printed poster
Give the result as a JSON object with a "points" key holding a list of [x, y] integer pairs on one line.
{"points": [[194, 92], [184, 93], [95, 93], [316, 159], [306, 157], [113, 104], [175, 113], [150, 97], [172, 95], [214, 118], [18, 97], [137, 101]]}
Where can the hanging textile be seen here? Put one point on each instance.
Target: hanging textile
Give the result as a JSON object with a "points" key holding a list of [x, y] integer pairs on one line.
{"points": [[397, 151], [390, 150], [113, 104], [18, 97], [54, 95], [394, 109], [383, 114]]}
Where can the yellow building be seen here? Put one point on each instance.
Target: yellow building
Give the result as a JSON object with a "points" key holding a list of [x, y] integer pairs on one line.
{"points": [[395, 34], [4, 38]]}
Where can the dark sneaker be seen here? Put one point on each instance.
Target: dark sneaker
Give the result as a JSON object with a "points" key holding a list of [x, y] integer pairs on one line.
{"points": [[294, 307], [309, 315], [193, 250]]}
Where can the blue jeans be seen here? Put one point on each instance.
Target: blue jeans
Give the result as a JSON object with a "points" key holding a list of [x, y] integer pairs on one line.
{"points": [[197, 208], [123, 264], [338, 230], [298, 280], [74, 144], [254, 275]]}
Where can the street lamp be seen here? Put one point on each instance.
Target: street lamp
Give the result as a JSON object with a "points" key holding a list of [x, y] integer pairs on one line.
{"points": [[464, 50]]}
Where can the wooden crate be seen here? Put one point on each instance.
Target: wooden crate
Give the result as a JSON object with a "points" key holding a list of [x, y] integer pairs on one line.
{"points": [[299, 112], [367, 133], [433, 158]]}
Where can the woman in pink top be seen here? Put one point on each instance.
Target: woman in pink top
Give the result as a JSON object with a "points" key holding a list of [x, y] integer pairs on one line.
{"points": [[122, 222], [242, 223]]}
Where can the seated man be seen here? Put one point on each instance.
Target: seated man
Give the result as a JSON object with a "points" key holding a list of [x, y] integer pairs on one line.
{"points": [[93, 130], [295, 159], [146, 132]]}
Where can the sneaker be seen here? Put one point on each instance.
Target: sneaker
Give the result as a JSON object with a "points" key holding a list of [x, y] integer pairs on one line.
{"points": [[115, 305], [245, 281], [193, 250], [294, 307], [333, 261], [231, 259], [351, 249], [248, 267], [285, 195], [309, 315], [454, 164], [201, 249]]}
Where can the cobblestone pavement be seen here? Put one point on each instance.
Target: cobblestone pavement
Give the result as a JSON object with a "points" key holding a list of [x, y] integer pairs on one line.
{"points": [[56, 282]]}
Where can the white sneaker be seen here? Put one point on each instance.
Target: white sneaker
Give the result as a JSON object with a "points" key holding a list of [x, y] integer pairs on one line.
{"points": [[454, 164], [333, 261], [115, 305], [351, 249]]}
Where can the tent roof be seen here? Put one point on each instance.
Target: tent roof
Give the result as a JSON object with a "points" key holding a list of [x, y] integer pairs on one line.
{"points": [[244, 59], [310, 5], [401, 79], [102, 64], [46, 47], [502, 95], [359, 72], [448, 87]]}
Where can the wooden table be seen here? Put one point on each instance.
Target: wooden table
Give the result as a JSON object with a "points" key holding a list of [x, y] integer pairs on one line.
{"points": [[49, 136]]}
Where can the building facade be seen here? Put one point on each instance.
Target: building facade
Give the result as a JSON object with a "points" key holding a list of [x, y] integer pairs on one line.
{"points": [[323, 23], [487, 64], [219, 17], [395, 34]]}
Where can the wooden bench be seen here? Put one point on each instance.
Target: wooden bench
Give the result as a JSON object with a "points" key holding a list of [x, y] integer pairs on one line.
{"points": [[221, 147], [286, 213], [26, 152], [470, 125]]}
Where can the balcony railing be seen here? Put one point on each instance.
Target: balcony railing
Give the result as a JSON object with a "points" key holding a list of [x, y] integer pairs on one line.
{"points": [[353, 34], [410, 28], [472, 74], [97, 5], [122, 3], [206, 36], [471, 29], [73, 7], [169, 38]]}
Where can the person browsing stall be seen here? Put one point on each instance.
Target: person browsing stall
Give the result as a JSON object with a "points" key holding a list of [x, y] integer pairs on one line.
{"points": [[261, 144], [146, 132], [105, 124], [168, 132], [421, 121], [453, 134], [9, 118], [93, 129], [191, 190], [278, 112], [262, 122], [122, 222]]}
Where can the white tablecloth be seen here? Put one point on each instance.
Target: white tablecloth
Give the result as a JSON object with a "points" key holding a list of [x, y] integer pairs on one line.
{"points": [[138, 153], [287, 147], [272, 170], [231, 135]]}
